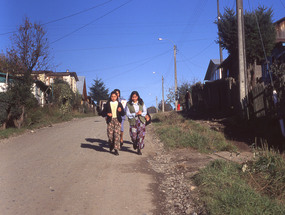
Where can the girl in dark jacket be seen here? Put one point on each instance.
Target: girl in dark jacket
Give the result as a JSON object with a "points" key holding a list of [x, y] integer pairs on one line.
{"points": [[114, 111]]}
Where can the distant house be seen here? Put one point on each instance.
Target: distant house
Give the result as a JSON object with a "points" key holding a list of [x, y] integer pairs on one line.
{"points": [[48, 77], [214, 72], [4, 81], [41, 92], [278, 53], [81, 88]]}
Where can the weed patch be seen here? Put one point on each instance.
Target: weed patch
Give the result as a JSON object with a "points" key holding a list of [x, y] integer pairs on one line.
{"points": [[225, 190], [266, 174]]}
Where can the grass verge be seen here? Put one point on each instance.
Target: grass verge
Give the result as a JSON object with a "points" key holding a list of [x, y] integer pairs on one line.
{"points": [[175, 132], [42, 117], [225, 190]]}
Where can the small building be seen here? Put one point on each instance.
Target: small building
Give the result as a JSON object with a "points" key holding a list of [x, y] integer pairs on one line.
{"points": [[4, 81], [214, 72], [48, 78], [81, 88]]}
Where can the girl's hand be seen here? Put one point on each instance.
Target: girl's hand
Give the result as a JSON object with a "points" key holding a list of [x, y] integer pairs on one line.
{"points": [[119, 109], [109, 114], [139, 113]]}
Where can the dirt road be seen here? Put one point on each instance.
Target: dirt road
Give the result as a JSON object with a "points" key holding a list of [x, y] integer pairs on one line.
{"points": [[68, 169]]}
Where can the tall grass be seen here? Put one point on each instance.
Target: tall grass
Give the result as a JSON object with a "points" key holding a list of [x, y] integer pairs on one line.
{"points": [[177, 132], [225, 190], [266, 173]]}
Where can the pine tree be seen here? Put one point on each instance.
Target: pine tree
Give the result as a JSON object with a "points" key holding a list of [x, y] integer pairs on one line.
{"points": [[253, 44], [98, 91]]}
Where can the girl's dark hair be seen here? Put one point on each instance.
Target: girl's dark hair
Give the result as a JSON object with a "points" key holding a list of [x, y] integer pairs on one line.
{"points": [[113, 92], [118, 91], [138, 95]]}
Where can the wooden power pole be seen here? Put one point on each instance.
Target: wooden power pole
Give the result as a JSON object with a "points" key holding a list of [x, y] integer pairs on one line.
{"points": [[241, 52], [162, 95], [220, 47]]}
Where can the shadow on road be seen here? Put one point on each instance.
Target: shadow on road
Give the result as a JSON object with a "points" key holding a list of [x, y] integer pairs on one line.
{"points": [[125, 148], [103, 145]]}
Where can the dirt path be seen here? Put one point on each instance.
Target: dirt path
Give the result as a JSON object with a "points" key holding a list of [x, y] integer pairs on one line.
{"points": [[67, 169]]}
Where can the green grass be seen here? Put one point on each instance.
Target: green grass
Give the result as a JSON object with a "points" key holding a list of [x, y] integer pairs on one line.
{"points": [[10, 132], [42, 117], [266, 173], [176, 132], [225, 190]]}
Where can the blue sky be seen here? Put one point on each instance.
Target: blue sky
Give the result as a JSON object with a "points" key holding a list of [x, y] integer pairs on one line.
{"points": [[119, 42]]}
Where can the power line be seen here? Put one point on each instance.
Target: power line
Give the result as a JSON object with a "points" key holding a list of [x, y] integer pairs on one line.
{"points": [[134, 62], [130, 70], [282, 3], [65, 17], [91, 22], [75, 14]]}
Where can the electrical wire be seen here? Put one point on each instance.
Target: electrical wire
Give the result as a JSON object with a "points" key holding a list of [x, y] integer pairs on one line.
{"points": [[78, 29], [262, 43], [142, 64], [66, 17], [282, 3]]}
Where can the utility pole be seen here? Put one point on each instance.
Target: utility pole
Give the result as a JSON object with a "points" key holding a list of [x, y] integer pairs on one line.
{"points": [[219, 19], [162, 95], [241, 52], [175, 75], [156, 106]]}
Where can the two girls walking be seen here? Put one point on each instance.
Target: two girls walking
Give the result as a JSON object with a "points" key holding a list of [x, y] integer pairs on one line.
{"points": [[135, 111]]}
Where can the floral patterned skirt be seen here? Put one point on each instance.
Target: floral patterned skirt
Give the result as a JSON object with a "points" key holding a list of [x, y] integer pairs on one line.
{"points": [[137, 133]]}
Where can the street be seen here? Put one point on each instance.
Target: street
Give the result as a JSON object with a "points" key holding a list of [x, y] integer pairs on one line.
{"points": [[68, 169]]}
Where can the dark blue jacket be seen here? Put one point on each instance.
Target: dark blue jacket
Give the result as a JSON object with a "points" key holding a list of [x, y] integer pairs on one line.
{"points": [[107, 109]]}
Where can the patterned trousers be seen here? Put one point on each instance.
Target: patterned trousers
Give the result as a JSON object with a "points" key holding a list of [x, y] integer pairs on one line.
{"points": [[113, 132], [137, 133]]}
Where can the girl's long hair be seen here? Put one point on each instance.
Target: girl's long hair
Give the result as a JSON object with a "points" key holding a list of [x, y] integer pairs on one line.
{"points": [[113, 92], [138, 95]]}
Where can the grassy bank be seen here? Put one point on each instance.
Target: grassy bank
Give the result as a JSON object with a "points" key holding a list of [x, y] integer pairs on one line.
{"points": [[254, 188], [42, 117], [175, 131]]}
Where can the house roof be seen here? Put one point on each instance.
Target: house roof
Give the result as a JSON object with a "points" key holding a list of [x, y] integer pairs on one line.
{"points": [[63, 74], [280, 20], [213, 66], [56, 74]]}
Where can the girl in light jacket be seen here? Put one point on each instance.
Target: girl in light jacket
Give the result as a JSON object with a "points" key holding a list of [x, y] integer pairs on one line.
{"points": [[136, 112]]}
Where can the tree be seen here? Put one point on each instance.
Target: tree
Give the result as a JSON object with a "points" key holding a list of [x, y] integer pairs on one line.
{"points": [[182, 88], [254, 50], [63, 96], [151, 109], [29, 51], [98, 91], [167, 106]]}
